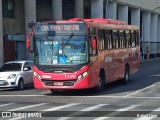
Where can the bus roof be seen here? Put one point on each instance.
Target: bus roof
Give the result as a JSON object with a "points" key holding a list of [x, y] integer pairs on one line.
{"points": [[95, 20], [98, 22]]}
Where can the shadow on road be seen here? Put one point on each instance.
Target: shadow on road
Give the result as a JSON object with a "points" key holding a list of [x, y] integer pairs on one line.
{"points": [[148, 75]]}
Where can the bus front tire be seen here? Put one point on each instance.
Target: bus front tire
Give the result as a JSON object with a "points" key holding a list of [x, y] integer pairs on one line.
{"points": [[126, 75], [100, 85]]}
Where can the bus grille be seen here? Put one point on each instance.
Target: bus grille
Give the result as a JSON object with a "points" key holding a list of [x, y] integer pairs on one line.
{"points": [[52, 83]]}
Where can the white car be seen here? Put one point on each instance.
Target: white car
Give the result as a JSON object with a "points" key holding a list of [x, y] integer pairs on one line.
{"points": [[16, 74]]}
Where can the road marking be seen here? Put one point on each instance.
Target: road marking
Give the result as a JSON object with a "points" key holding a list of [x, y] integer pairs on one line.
{"points": [[60, 107], [117, 112], [100, 96], [81, 111], [93, 107], [30, 106], [42, 92], [6, 104], [139, 90], [16, 118]]}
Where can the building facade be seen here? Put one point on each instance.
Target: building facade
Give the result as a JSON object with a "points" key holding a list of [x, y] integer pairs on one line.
{"points": [[16, 14]]}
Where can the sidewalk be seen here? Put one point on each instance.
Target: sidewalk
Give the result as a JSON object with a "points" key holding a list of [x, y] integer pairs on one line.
{"points": [[151, 59]]}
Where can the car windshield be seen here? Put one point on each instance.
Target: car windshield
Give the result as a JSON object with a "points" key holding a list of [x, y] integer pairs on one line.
{"points": [[62, 49], [11, 67]]}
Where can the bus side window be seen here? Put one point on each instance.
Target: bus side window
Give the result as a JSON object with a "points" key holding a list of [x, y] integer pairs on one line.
{"points": [[93, 51], [115, 38], [133, 39], [127, 38], [121, 39], [136, 38], [101, 40], [108, 39], [92, 34]]}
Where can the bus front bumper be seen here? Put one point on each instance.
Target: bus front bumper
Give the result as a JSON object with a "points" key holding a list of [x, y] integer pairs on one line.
{"points": [[65, 85]]}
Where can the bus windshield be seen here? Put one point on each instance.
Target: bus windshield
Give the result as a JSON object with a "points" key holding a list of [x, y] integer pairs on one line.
{"points": [[60, 49]]}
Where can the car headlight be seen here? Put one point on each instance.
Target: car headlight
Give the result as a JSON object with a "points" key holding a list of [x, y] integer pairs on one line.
{"points": [[37, 76], [82, 75], [11, 76]]}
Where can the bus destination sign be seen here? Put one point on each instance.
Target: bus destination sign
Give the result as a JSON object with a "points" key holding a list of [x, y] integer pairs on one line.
{"points": [[60, 27]]}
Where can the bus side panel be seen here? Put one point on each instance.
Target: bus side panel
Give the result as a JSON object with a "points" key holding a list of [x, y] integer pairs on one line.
{"points": [[94, 70], [135, 60]]}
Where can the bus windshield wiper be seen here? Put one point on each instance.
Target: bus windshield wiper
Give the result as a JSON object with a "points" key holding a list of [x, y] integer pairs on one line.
{"points": [[70, 37]]}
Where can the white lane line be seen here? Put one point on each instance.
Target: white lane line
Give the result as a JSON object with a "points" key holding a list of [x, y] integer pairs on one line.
{"points": [[6, 104], [128, 108], [139, 91], [26, 107], [60, 107], [41, 93], [101, 96], [50, 109], [152, 115], [82, 111], [93, 107], [117, 112], [16, 118]]}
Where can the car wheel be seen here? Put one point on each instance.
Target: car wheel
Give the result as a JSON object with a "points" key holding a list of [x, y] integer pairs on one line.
{"points": [[20, 85]]}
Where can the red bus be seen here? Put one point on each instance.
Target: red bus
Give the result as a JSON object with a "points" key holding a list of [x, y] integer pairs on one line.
{"points": [[83, 53]]}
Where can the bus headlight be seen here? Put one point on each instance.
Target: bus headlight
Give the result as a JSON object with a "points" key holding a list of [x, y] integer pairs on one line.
{"points": [[37, 76], [82, 75]]}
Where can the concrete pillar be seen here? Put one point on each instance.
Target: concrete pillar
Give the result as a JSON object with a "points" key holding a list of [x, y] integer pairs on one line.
{"points": [[1, 36], [154, 34], [135, 17], [57, 9], [111, 12], [79, 8], [30, 15], [96, 8], [146, 32], [123, 13], [158, 40]]}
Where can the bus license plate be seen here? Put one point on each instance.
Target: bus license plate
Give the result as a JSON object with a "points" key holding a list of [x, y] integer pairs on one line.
{"points": [[58, 83]]}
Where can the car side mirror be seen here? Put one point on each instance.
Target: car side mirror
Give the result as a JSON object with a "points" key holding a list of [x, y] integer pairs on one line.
{"points": [[25, 69]]}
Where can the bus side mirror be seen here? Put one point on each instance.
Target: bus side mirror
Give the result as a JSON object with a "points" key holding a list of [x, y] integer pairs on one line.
{"points": [[94, 43], [28, 42]]}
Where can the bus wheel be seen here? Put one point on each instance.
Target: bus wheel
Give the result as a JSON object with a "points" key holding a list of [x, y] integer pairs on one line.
{"points": [[126, 75], [100, 85]]}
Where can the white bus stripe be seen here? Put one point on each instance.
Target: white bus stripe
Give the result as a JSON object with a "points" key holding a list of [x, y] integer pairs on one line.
{"points": [[116, 112], [30, 106], [60, 107], [6, 104]]}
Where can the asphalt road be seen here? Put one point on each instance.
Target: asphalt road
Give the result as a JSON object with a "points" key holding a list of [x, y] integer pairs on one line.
{"points": [[137, 100]]}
